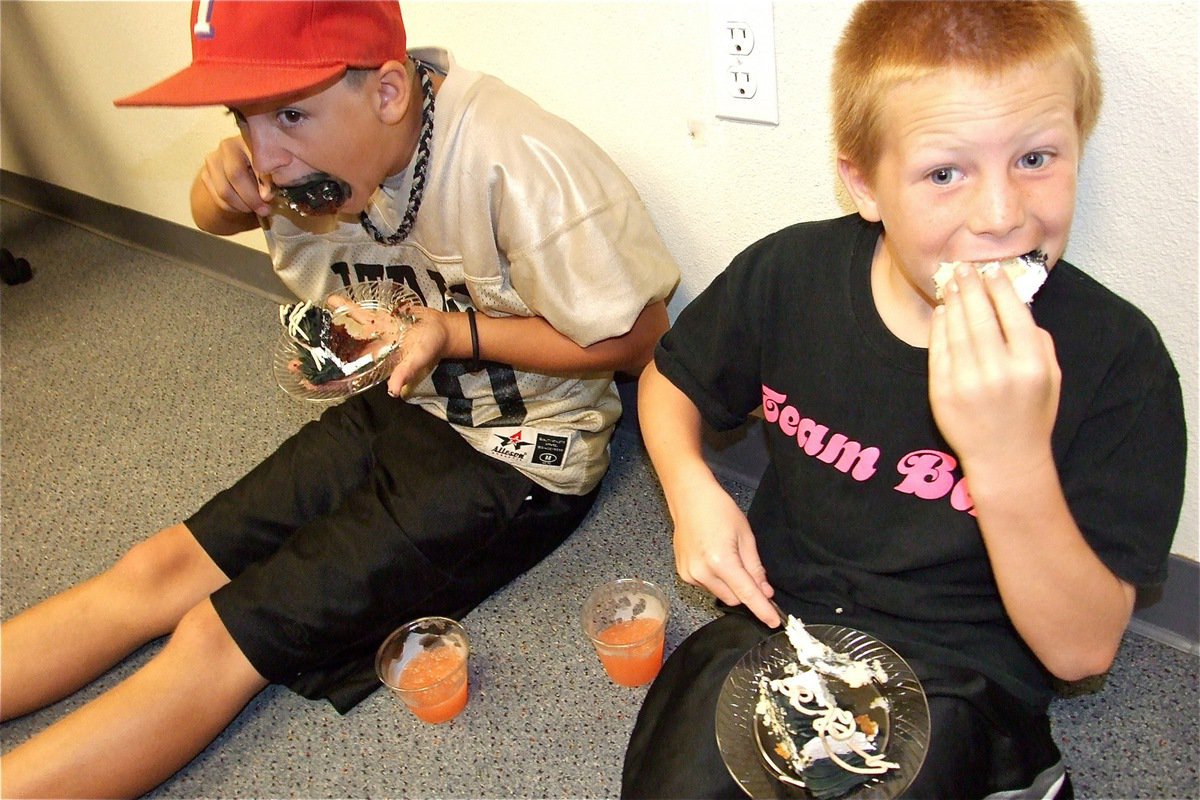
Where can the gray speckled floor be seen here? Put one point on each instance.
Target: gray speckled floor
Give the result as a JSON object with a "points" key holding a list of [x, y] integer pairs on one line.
{"points": [[126, 401]]}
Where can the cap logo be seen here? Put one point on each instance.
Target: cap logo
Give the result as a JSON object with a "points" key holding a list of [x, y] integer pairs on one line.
{"points": [[203, 27]]}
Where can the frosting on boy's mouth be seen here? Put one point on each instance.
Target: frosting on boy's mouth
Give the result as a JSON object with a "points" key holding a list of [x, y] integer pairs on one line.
{"points": [[1027, 273], [319, 194]]}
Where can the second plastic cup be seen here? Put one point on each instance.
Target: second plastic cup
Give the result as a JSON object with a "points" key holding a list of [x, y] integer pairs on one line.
{"points": [[626, 621], [424, 663]]}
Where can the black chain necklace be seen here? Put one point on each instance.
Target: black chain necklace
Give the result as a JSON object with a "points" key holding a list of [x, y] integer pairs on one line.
{"points": [[420, 167]]}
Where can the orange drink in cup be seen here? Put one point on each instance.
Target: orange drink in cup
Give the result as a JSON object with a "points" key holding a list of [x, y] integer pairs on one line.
{"points": [[424, 663], [626, 621]]}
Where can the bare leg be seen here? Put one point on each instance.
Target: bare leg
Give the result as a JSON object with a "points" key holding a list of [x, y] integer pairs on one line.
{"points": [[143, 596], [139, 733]]}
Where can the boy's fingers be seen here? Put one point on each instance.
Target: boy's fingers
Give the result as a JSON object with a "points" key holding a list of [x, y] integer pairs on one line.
{"points": [[1015, 318], [266, 192], [398, 378], [939, 356], [753, 565], [748, 591], [730, 583], [764, 609], [956, 343], [979, 315], [752, 586], [715, 586], [215, 193]]}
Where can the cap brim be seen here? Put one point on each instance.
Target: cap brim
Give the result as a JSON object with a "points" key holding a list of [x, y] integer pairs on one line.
{"points": [[231, 85]]}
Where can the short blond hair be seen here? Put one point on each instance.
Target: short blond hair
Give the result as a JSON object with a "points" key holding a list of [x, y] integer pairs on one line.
{"points": [[889, 42]]}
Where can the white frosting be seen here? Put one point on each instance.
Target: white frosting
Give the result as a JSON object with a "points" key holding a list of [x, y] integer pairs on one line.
{"points": [[1027, 274], [803, 685], [814, 653]]}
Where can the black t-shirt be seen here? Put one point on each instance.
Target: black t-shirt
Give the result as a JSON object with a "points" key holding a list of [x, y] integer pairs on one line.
{"points": [[862, 517]]}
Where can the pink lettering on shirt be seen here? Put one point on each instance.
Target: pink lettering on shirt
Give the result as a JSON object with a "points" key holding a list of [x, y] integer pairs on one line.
{"points": [[925, 474], [844, 454], [929, 474]]}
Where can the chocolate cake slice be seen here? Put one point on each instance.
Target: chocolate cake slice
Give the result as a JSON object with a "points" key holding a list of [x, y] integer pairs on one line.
{"points": [[327, 349]]}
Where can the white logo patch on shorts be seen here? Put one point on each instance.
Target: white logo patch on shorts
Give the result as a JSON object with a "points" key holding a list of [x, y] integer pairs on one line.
{"points": [[529, 447]]}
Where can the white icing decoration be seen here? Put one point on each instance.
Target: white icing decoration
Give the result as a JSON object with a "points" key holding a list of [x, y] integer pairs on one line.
{"points": [[805, 689]]}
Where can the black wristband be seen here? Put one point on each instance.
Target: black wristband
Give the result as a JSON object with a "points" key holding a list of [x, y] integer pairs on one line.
{"points": [[473, 365]]}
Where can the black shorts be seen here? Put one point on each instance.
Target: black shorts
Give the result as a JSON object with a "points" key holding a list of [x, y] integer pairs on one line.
{"points": [[373, 515], [983, 741]]}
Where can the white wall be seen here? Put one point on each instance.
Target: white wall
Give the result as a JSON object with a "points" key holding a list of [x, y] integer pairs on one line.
{"points": [[636, 77]]}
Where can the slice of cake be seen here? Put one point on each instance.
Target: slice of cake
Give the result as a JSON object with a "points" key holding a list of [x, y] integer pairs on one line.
{"points": [[320, 196], [822, 719], [337, 344], [1027, 273]]}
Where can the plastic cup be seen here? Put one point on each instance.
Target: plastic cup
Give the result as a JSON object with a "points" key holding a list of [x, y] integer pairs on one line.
{"points": [[626, 621], [424, 663]]}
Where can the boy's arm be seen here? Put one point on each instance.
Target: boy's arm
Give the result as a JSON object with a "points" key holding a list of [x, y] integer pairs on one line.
{"points": [[714, 546], [994, 388], [527, 343], [226, 196]]}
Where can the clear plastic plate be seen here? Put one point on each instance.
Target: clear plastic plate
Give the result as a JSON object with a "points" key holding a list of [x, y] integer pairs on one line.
{"points": [[907, 723], [378, 304]]}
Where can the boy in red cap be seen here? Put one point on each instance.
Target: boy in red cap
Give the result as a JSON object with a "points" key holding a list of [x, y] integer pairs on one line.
{"points": [[539, 273], [885, 393]]}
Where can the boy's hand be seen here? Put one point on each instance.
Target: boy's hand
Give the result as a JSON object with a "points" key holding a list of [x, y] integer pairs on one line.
{"points": [[715, 549], [232, 184], [424, 345], [994, 379]]}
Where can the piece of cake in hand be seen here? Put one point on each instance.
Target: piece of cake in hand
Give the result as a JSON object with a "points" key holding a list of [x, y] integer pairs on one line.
{"points": [[1027, 273]]}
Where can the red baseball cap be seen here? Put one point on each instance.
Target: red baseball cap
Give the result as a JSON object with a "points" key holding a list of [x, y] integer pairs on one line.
{"points": [[247, 51]]}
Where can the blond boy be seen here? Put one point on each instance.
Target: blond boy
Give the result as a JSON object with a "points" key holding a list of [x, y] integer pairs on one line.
{"points": [[980, 484]]}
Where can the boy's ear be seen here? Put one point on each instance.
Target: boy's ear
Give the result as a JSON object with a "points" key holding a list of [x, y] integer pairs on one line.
{"points": [[858, 185], [392, 92]]}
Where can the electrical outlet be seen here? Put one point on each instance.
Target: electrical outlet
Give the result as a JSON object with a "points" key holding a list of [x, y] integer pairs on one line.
{"points": [[741, 84], [743, 45], [739, 39]]}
